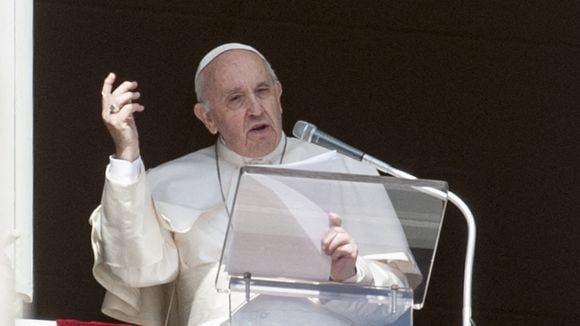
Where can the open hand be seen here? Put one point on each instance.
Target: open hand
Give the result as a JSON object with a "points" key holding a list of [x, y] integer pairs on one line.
{"points": [[117, 112]]}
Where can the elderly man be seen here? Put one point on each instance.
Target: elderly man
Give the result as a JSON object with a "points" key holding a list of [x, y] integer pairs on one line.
{"points": [[157, 235]]}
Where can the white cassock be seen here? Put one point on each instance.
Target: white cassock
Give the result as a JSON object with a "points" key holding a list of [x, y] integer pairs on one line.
{"points": [[157, 239]]}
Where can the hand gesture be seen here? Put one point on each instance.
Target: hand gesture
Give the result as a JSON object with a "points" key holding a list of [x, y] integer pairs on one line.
{"points": [[117, 112]]}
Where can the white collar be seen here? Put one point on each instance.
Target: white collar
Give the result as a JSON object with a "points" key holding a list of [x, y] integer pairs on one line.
{"points": [[238, 160]]}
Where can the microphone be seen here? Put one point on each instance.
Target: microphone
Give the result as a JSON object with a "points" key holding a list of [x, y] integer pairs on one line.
{"points": [[310, 133]]}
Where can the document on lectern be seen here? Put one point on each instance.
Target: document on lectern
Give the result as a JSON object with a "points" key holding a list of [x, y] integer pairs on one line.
{"points": [[278, 223], [277, 233]]}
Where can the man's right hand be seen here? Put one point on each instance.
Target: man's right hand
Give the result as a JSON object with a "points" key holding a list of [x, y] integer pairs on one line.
{"points": [[117, 112]]}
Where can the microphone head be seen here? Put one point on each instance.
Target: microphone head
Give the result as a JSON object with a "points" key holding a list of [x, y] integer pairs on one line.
{"points": [[303, 130]]}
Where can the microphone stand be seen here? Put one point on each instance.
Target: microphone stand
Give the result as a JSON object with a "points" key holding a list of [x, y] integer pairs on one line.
{"points": [[471, 231]]}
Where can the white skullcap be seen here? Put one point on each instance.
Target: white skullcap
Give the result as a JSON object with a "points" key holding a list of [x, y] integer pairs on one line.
{"points": [[211, 55]]}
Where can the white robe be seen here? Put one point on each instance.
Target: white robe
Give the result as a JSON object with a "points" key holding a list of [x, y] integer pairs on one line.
{"points": [[158, 239]]}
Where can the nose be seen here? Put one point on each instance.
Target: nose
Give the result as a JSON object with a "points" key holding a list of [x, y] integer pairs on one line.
{"points": [[255, 106]]}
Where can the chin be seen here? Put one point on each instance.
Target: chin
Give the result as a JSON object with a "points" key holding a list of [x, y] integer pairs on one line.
{"points": [[262, 149]]}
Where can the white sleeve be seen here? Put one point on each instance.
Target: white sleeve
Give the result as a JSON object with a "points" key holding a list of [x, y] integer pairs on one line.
{"points": [[130, 241], [363, 276], [372, 272], [134, 253], [125, 172]]}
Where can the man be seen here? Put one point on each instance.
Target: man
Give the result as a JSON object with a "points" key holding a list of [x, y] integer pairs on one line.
{"points": [[157, 236]]}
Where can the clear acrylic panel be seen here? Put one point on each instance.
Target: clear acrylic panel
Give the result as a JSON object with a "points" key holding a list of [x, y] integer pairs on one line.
{"points": [[279, 216]]}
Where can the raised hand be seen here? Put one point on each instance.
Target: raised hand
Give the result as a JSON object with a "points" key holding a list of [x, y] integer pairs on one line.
{"points": [[117, 112]]}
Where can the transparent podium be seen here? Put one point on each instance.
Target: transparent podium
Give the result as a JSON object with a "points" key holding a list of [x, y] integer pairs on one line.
{"points": [[275, 272]]}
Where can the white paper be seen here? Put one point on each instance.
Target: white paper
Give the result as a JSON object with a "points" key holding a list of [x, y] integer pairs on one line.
{"points": [[279, 222], [278, 233]]}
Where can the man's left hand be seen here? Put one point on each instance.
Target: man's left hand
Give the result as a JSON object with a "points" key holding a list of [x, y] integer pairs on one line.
{"points": [[342, 249]]}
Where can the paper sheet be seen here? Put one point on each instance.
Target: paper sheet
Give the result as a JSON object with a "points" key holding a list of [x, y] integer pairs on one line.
{"points": [[278, 222], [277, 230], [277, 233]]}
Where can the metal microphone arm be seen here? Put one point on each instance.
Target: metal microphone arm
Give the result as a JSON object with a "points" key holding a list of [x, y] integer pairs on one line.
{"points": [[310, 133], [471, 232]]}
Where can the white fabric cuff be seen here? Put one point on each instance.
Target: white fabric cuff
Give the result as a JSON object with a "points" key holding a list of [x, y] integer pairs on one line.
{"points": [[363, 273], [124, 172]]}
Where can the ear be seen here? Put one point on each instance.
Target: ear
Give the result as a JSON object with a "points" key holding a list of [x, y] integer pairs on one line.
{"points": [[278, 88], [205, 116]]}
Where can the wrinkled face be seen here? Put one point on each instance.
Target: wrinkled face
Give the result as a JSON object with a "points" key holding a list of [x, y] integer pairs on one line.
{"points": [[244, 103]]}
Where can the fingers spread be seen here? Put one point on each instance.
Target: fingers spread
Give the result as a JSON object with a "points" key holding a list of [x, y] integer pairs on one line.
{"points": [[120, 98]]}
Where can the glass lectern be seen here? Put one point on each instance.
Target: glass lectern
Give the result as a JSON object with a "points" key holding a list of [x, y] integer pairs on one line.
{"points": [[274, 269]]}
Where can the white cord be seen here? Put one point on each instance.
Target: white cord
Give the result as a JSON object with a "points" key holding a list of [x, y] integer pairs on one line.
{"points": [[471, 233]]}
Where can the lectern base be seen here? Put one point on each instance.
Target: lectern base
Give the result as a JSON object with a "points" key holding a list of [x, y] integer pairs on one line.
{"points": [[268, 310]]}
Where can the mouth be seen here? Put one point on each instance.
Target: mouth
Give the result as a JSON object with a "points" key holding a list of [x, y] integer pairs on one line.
{"points": [[259, 128]]}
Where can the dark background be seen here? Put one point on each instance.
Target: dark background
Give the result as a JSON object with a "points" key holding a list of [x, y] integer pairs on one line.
{"points": [[482, 94]]}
